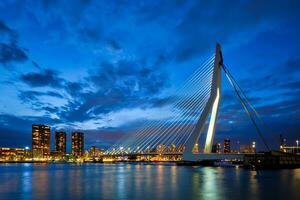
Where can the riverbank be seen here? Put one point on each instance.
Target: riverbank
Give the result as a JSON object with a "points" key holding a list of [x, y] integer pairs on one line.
{"points": [[267, 160]]}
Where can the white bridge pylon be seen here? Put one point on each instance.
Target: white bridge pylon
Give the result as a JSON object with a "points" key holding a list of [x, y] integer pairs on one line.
{"points": [[212, 106]]}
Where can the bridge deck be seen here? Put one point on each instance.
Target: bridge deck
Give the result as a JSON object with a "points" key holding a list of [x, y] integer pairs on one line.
{"points": [[192, 157], [216, 156]]}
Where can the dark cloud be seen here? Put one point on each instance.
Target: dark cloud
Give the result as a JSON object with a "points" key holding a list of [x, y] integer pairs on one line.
{"points": [[162, 101], [292, 85], [33, 99], [291, 66], [90, 34], [45, 77], [208, 22], [129, 77], [77, 23], [290, 107], [261, 83], [114, 45], [28, 96], [282, 76], [35, 64], [11, 53], [116, 86], [9, 50], [284, 105], [74, 88], [5, 30]]}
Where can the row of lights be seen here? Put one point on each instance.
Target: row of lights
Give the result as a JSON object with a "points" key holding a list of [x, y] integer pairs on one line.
{"points": [[253, 146]]}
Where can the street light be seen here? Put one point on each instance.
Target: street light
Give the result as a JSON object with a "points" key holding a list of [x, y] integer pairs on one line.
{"points": [[253, 146], [297, 142]]}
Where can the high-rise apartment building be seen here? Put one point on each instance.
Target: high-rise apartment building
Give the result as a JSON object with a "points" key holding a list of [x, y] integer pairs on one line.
{"points": [[227, 146], [60, 142], [216, 148], [77, 143], [40, 141]]}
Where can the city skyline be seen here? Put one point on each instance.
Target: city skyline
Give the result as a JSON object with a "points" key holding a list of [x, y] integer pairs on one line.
{"points": [[42, 145], [104, 76], [61, 142], [41, 151]]}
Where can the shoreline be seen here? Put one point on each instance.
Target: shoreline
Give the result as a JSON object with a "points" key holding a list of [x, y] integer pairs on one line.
{"points": [[174, 163]]}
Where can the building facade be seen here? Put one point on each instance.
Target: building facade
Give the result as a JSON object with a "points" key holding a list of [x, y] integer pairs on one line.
{"points": [[77, 143], [93, 154], [40, 141], [216, 148], [227, 148], [14, 154], [247, 149], [61, 142]]}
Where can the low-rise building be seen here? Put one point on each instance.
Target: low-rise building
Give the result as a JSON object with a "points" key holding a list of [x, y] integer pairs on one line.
{"points": [[14, 154], [247, 149]]}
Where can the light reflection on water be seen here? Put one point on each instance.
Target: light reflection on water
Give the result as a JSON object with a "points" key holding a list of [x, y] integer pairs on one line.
{"points": [[143, 181]]}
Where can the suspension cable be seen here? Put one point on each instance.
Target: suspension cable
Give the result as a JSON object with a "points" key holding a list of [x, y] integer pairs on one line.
{"points": [[244, 104]]}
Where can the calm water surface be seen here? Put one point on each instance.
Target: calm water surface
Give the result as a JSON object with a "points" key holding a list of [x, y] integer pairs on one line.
{"points": [[144, 181]]}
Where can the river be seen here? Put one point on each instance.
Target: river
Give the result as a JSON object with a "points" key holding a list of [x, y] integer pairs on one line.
{"points": [[144, 181]]}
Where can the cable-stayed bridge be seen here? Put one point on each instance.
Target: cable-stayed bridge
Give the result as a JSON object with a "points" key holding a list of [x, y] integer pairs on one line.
{"points": [[193, 104]]}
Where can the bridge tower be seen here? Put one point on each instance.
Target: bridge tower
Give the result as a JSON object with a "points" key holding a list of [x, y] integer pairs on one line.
{"points": [[212, 106]]}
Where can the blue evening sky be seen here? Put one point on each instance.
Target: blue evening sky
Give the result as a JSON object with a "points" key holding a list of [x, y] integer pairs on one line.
{"points": [[104, 66]]}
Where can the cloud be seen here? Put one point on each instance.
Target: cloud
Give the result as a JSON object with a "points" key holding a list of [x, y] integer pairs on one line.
{"points": [[6, 31], [208, 22], [28, 96], [74, 88], [130, 77], [110, 88], [114, 45], [284, 76], [11, 53], [9, 49], [35, 64], [286, 107], [43, 78], [114, 87], [124, 118], [89, 35], [291, 66], [49, 103]]}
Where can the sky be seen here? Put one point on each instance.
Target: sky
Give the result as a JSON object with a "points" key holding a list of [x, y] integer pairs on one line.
{"points": [[104, 67]]}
